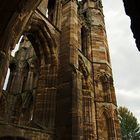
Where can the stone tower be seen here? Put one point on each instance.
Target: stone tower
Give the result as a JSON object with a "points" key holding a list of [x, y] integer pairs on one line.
{"points": [[60, 85]]}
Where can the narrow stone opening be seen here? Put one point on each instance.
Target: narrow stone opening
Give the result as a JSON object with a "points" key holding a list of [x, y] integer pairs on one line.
{"points": [[47, 7], [51, 9], [8, 71], [84, 41], [21, 82]]}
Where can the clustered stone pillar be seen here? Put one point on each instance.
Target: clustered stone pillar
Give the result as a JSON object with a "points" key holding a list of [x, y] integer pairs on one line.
{"points": [[67, 95]]}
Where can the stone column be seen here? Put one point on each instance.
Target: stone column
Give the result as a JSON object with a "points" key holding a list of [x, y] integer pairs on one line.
{"points": [[101, 63], [58, 14], [68, 110]]}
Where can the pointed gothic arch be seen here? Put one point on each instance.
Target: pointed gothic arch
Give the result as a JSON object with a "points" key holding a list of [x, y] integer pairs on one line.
{"points": [[42, 40], [42, 35], [106, 123], [104, 81]]}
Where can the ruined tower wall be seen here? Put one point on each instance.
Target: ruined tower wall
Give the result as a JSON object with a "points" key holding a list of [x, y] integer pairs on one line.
{"points": [[63, 83]]}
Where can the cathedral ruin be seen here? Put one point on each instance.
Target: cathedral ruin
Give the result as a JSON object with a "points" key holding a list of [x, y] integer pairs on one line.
{"points": [[60, 84]]}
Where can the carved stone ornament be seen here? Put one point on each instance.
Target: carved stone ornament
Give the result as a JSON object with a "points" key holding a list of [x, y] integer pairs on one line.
{"points": [[103, 77], [83, 68]]}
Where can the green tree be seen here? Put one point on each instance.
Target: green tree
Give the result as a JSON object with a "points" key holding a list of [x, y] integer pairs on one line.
{"points": [[130, 128]]}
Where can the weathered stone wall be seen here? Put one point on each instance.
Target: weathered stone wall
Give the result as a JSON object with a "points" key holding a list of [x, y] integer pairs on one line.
{"points": [[61, 77], [29, 133]]}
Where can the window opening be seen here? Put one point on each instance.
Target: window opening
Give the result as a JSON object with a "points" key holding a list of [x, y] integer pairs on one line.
{"points": [[84, 41]]}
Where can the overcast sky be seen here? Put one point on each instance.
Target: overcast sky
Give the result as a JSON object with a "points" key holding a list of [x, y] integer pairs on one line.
{"points": [[124, 56]]}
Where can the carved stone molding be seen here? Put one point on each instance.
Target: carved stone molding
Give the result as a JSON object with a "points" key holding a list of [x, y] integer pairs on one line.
{"points": [[83, 68], [103, 77]]}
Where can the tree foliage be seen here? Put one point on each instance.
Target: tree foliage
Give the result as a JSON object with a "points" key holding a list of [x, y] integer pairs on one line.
{"points": [[130, 128]]}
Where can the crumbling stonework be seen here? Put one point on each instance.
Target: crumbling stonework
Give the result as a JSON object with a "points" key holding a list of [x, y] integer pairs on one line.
{"points": [[60, 85]]}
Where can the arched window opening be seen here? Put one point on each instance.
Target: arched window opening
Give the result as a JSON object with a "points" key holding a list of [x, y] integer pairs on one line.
{"points": [[110, 126], [12, 69], [107, 126], [51, 10], [9, 69], [24, 58], [34, 69], [104, 126], [21, 80], [108, 57], [48, 8], [6, 79], [16, 47], [27, 71], [105, 83], [84, 41]]}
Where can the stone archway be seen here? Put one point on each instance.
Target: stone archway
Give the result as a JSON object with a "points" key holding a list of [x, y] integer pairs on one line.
{"points": [[43, 37], [16, 16], [106, 128]]}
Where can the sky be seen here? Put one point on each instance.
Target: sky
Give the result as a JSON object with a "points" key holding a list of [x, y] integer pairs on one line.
{"points": [[125, 57]]}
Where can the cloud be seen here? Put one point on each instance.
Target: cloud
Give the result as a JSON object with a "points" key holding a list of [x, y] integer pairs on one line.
{"points": [[130, 99], [124, 56]]}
